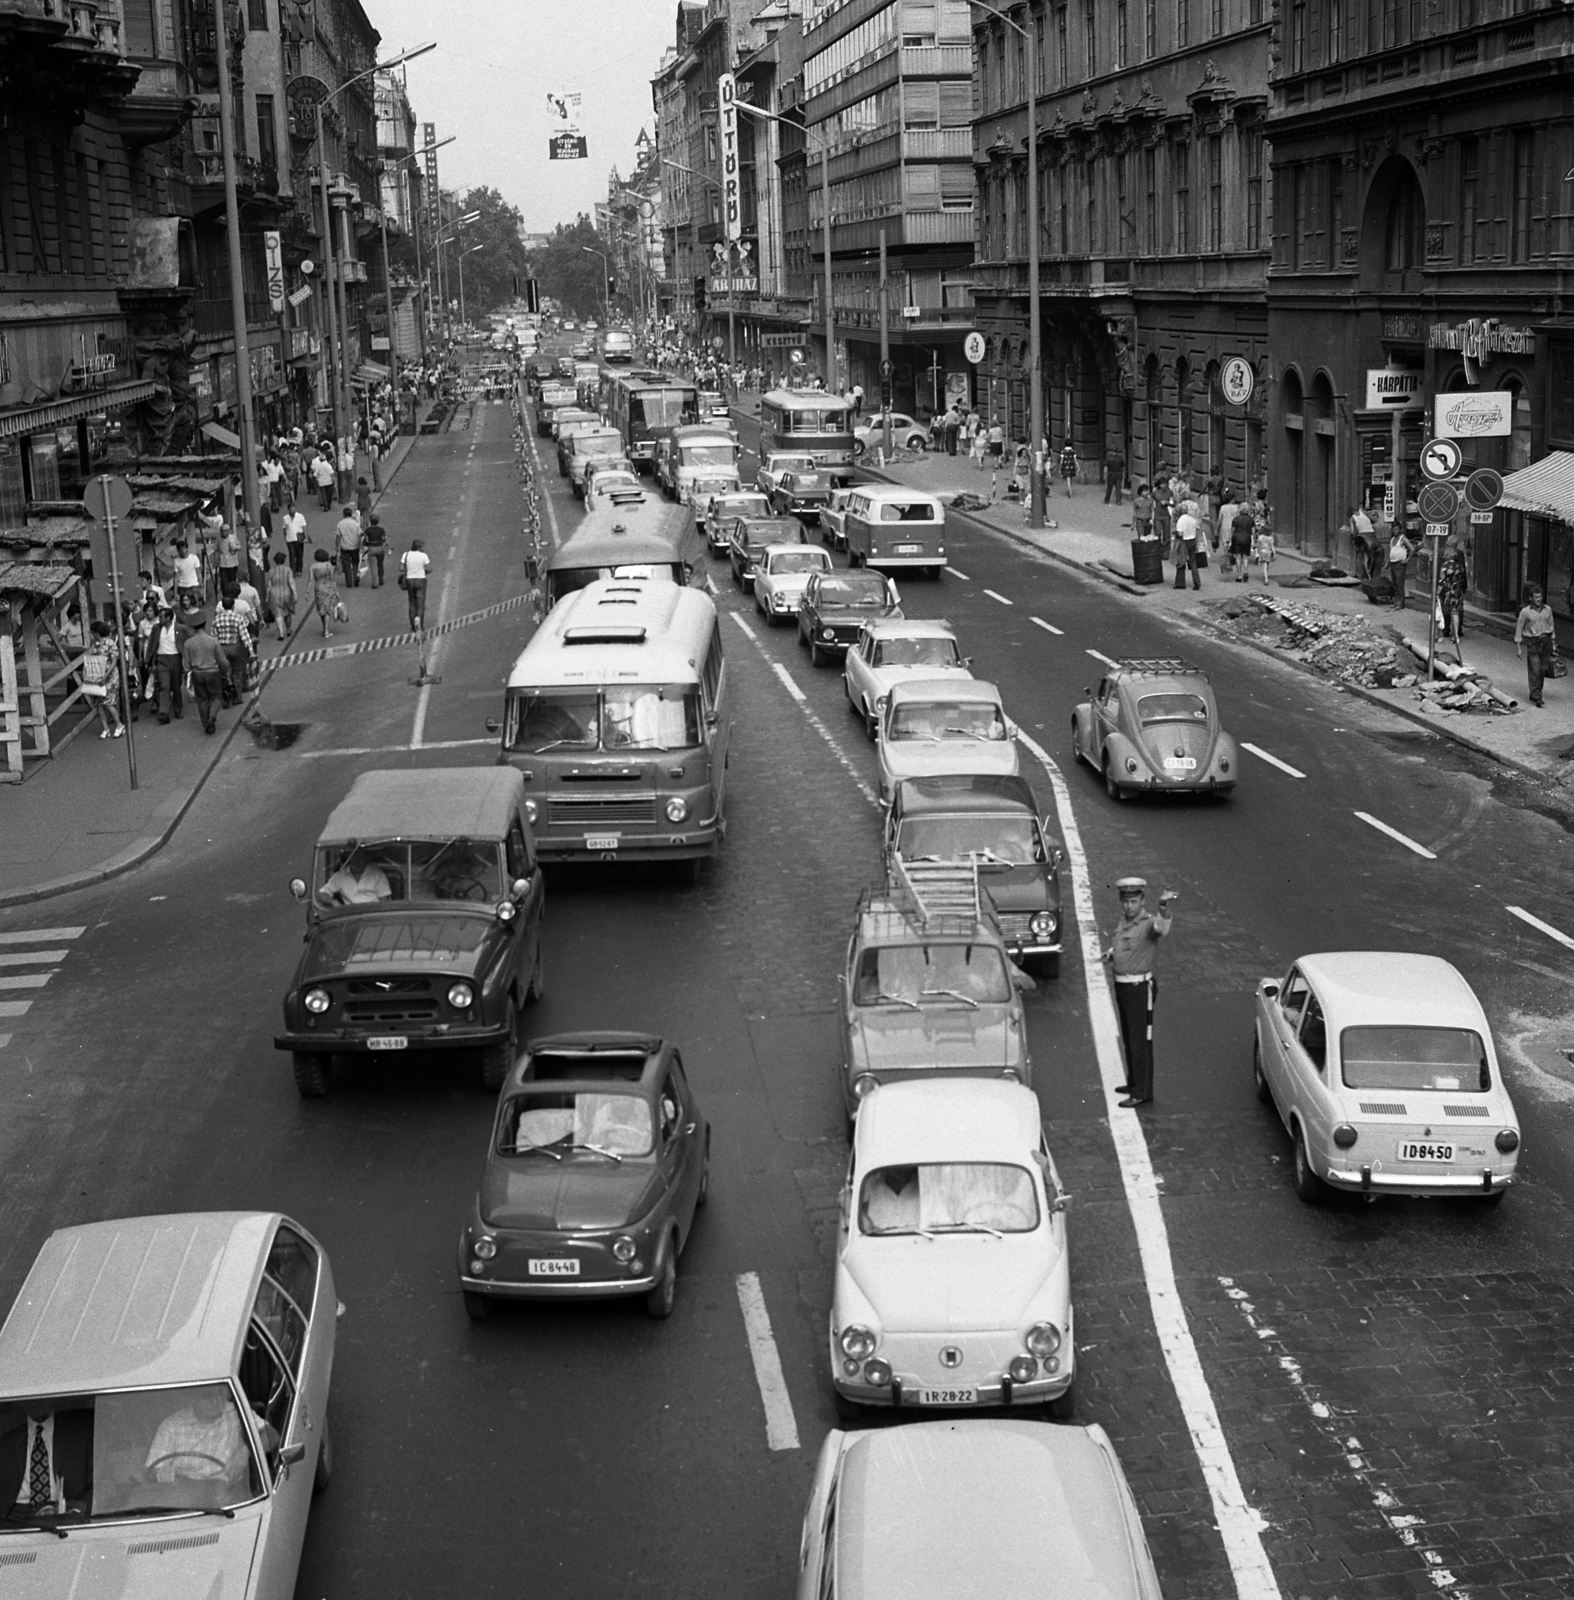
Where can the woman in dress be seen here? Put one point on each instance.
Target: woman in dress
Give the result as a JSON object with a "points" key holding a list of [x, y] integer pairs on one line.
{"points": [[325, 589]]}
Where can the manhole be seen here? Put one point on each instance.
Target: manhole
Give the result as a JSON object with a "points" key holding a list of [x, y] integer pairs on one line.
{"points": [[274, 735]]}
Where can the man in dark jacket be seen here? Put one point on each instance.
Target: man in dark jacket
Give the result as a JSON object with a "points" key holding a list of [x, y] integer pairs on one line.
{"points": [[46, 1457], [164, 660], [1114, 473], [210, 673]]}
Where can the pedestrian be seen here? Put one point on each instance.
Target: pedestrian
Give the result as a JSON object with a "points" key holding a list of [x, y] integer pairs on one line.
{"points": [[188, 574], [1142, 512], [1399, 552], [347, 546], [234, 641], [101, 681], [1188, 530], [150, 594], [1263, 548], [375, 542], [951, 427], [1221, 531], [346, 465], [207, 671], [1068, 466], [1453, 576], [282, 594], [295, 536], [858, 400], [414, 565], [997, 443], [229, 559], [363, 500], [1130, 954], [325, 590], [166, 641], [323, 476], [1114, 473], [1242, 528], [1535, 641], [1162, 500]]}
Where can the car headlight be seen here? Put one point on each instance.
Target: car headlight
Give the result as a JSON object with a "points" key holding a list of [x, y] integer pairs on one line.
{"points": [[1042, 923], [1507, 1140], [881, 703], [827, 633], [857, 1343], [485, 1248], [623, 1249], [316, 1001], [530, 810], [1043, 1339], [461, 996], [864, 1085], [506, 911], [677, 809], [877, 1372], [1344, 1136], [1023, 1369]]}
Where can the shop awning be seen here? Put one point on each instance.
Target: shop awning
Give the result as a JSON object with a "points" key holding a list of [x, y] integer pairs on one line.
{"points": [[1545, 487], [368, 373], [71, 407], [217, 432]]}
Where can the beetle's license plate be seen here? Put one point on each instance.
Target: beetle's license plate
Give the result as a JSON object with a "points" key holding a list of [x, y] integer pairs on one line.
{"points": [[1416, 1150], [601, 841], [909, 549], [948, 1397], [1180, 763], [554, 1267], [388, 1041]]}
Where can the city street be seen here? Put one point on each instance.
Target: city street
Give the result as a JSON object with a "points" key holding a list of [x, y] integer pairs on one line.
{"points": [[1374, 1398]]}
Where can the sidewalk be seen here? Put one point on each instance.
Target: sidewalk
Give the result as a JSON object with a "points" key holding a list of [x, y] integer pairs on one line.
{"points": [[1096, 538], [76, 820]]}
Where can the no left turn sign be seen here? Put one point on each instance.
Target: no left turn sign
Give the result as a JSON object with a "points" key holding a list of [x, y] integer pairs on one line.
{"points": [[1440, 459]]}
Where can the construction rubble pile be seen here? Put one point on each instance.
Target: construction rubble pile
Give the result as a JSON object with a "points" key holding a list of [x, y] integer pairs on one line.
{"points": [[1350, 649]]}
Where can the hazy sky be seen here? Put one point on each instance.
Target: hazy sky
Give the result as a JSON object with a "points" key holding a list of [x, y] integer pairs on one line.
{"points": [[488, 80]]}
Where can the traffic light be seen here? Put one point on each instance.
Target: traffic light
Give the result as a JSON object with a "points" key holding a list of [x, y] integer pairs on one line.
{"points": [[612, 287], [699, 292], [885, 394]]}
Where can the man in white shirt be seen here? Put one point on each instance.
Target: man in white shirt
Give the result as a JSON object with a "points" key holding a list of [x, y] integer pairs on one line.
{"points": [[188, 574], [414, 565], [323, 477], [1188, 528], [295, 536]]}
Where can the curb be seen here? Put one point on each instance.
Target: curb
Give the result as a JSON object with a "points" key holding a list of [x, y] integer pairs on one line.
{"points": [[145, 848]]}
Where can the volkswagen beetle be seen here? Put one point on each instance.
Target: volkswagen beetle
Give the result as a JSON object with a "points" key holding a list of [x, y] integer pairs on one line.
{"points": [[1153, 727]]}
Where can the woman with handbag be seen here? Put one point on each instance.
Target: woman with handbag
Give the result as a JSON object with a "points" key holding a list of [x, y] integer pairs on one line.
{"points": [[325, 590], [101, 681]]}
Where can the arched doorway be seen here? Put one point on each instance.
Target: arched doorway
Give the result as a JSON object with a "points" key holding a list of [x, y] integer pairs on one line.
{"points": [[1183, 441], [1393, 229], [1153, 399], [1321, 516], [1292, 517]]}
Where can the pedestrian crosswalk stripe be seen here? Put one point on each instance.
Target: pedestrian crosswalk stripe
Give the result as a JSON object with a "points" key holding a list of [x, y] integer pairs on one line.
{"points": [[41, 935], [26, 980], [15, 1008], [5, 1039], [392, 641], [34, 958]]}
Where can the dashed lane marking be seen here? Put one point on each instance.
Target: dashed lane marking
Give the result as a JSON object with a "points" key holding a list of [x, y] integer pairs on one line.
{"points": [[962, 575], [396, 749], [41, 935], [781, 1427], [1240, 1524], [5, 1039], [1396, 835], [1000, 597], [34, 958], [1543, 927], [1098, 655], [1048, 627], [1273, 760]]}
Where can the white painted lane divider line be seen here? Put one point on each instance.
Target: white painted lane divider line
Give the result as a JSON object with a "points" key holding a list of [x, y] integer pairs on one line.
{"points": [[34, 958], [42, 935], [781, 1427], [1543, 927], [1000, 597], [1273, 760], [1048, 627], [5, 1039], [1240, 1525], [1098, 655], [962, 575], [1395, 834]]}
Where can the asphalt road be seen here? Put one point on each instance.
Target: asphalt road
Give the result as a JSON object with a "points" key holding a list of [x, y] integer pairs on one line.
{"points": [[1367, 1364]]}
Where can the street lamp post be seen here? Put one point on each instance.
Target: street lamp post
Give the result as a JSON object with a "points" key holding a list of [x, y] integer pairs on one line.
{"points": [[464, 319], [415, 233], [606, 303], [1034, 325], [694, 227]]}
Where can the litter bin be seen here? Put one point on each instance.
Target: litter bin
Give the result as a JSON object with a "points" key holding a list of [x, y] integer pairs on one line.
{"points": [[1147, 563]]}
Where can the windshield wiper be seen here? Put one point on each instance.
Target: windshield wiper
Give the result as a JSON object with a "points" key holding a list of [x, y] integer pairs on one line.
{"points": [[37, 1527], [967, 1227], [895, 1000], [966, 733], [164, 1511], [521, 1146], [599, 1150], [542, 749], [952, 994]]}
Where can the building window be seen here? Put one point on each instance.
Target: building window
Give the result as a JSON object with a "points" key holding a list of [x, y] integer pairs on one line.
{"points": [[1182, 162], [1000, 69], [1150, 202], [1040, 44], [1300, 223], [1020, 87], [1182, 22], [257, 15], [1253, 190], [1216, 18], [1150, 28], [1333, 38], [1524, 193], [1404, 244], [1215, 240], [1393, 23], [1090, 178], [1335, 213], [1469, 179], [1063, 206], [1298, 36], [1090, 33], [267, 145], [1121, 22], [141, 27], [1254, 12]]}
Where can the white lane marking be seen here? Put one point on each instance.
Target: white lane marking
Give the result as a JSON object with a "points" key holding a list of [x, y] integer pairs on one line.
{"points": [[781, 1428], [962, 575], [801, 700], [390, 749], [1098, 655], [15, 1008], [26, 980], [1404, 1524], [1240, 1525], [34, 958], [1272, 760], [1545, 927], [41, 935], [1048, 627], [1000, 597], [1395, 834], [5, 1039]]}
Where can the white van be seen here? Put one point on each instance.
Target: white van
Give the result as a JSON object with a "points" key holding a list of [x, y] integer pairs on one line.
{"points": [[885, 525]]}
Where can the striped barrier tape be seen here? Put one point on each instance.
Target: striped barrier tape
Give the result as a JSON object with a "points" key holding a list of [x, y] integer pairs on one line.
{"points": [[392, 641]]}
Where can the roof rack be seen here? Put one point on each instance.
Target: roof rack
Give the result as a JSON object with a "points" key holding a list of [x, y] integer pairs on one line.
{"points": [[1164, 665], [940, 888]]}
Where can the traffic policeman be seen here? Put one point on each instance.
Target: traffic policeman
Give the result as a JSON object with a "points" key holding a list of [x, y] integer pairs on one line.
{"points": [[1130, 953]]}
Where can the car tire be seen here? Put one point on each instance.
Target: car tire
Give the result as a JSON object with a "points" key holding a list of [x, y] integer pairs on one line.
{"points": [[703, 1197], [854, 557], [478, 1307], [760, 609], [936, 573], [660, 1300], [1111, 788], [1063, 1407], [538, 978], [497, 1058], [871, 726], [817, 657], [1259, 1081], [322, 1476], [803, 638], [918, 443], [687, 872], [1496, 1198], [1308, 1185], [313, 1073]]}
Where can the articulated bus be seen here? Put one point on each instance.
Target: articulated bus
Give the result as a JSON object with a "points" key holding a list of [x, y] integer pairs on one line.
{"points": [[643, 406], [804, 421], [617, 716]]}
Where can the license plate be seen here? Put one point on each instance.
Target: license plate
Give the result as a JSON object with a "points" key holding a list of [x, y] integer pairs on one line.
{"points": [[553, 1267], [948, 1397], [1417, 1150], [909, 549], [388, 1041], [601, 841], [1180, 763]]}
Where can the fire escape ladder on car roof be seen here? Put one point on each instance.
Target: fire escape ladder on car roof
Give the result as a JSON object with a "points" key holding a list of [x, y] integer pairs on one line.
{"points": [[941, 888]]}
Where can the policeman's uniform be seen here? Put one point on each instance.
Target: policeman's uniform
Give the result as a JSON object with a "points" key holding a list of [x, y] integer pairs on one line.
{"points": [[1133, 946]]}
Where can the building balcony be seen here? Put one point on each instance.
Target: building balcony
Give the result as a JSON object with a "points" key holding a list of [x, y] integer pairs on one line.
{"points": [[66, 51], [937, 144], [901, 228], [937, 61]]}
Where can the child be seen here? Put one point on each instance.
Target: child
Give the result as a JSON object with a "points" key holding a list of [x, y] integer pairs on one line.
{"points": [[1142, 512], [281, 594], [1263, 550]]}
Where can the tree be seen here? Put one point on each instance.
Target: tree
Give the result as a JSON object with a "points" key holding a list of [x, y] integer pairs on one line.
{"points": [[500, 257], [566, 273]]}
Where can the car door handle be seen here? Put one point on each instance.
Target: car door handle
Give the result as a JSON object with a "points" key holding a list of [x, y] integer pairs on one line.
{"points": [[689, 1127]]}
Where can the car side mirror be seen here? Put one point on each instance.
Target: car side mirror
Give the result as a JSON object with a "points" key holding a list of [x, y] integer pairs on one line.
{"points": [[1271, 991], [519, 888], [1011, 729], [298, 888], [493, 725], [292, 1455], [967, 661], [1061, 1203]]}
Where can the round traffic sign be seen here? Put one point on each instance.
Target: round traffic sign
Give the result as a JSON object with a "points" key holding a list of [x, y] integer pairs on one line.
{"points": [[973, 347], [886, 369], [1483, 489], [1437, 502], [1440, 459], [1237, 380], [105, 497]]}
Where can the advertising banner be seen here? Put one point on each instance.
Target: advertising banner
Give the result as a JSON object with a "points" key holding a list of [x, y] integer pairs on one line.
{"points": [[1480, 414], [731, 180], [565, 141]]}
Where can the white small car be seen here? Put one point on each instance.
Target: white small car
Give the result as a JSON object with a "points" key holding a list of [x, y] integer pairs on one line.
{"points": [[939, 725], [781, 577], [772, 469], [907, 433], [174, 1371], [607, 478], [890, 652], [833, 519], [953, 1279], [1381, 1066]]}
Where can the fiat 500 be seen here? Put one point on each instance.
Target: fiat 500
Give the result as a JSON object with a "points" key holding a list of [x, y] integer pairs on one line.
{"points": [[1381, 1066], [953, 1283], [599, 1159], [1153, 727]]}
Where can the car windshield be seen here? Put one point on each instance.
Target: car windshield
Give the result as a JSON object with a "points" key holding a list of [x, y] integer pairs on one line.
{"points": [[1172, 708], [567, 579], [708, 455], [368, 871], [135, 1452], [827, 421], [800, 561], [546, 1119], [372, 943], [857, 591], [740, 505], [1451, 1059], [908, 511], [946, 720], [931, 975], [948, 1197], [916, 653], [990, 838], [792, 464]]}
